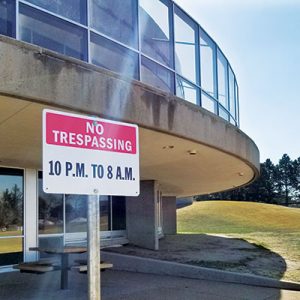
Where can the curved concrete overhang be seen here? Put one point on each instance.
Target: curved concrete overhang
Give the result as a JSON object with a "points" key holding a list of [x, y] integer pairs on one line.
{"points": [[32, 78]]}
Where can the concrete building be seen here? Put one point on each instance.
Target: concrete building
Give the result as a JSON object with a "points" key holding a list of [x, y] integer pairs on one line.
{"points": [[139, 61]]}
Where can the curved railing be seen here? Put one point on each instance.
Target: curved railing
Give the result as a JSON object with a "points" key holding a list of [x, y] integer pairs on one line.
{"points": [[153, 41]]}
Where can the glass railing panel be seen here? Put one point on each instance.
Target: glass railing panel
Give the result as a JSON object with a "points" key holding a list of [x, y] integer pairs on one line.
{"points": [[112, 56], [222, 80], [117, 19], [8, 18], [186, 90], [207, 64], [185, 46], [75, 10], [156, 75], [232, 107], [237, 102], [223, 113], [208, 103], [156, 40], [50, 32]]}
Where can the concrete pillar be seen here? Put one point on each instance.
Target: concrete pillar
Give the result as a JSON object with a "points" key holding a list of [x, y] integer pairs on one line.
{"points": [[31, 214], [141, 216], [169, 215]]}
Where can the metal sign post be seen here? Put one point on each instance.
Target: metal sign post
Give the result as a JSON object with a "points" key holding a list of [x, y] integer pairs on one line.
{"points": [[94, 289]]}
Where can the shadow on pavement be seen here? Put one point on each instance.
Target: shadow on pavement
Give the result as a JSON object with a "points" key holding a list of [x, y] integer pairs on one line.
{"points": [[217, 252]]}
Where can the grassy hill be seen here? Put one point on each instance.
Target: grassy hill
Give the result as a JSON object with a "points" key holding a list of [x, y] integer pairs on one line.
{"points": [[237, 217], [274, 227]]}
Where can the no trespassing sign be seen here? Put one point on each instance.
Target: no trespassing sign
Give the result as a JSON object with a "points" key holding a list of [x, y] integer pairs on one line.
{"points": [[88, 155]]}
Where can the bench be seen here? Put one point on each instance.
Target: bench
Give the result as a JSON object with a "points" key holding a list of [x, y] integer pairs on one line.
{"points": [[36, 267], [82, 268]]}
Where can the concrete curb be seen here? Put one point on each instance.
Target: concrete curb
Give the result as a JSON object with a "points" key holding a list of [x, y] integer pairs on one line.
{"points": [[154, 266]]}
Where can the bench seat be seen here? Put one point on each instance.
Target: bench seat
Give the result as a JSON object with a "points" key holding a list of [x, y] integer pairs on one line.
{"points": [[37, 267], [82, 268]]}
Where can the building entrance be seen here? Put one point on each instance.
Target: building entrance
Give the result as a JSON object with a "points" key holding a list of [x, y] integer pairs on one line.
{"points": [[11, 216]]}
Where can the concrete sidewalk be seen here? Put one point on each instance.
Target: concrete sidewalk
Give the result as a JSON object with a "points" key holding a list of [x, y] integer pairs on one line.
{"points": [[117, 285]]}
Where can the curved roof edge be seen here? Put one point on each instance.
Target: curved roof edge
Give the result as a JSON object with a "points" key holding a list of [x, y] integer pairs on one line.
{"points": [[42, 76]]}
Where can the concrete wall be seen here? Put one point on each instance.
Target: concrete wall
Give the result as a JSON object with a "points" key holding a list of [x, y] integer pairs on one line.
{"points": [[141, 214], [30, 72], [169, 215]]}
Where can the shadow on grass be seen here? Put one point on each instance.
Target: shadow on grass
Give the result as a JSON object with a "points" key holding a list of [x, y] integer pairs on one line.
{"points": [[218, 252]]}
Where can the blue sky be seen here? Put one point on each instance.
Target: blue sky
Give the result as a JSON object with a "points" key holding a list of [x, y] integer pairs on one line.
{"points": [[261, 39]]}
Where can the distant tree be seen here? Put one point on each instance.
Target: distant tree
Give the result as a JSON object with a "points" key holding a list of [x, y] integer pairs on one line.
{"points": [[296, 179], [261, 190], [266, 187], [11, 206], [6, 214], [285, 178], [277, 184]]}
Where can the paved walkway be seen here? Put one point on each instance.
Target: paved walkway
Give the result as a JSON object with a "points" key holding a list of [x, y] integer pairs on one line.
{"points": [[117, 285]]}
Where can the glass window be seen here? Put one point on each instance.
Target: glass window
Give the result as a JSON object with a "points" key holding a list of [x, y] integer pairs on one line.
{"points": [[71, 9], [76, 213], [231, 93], [11, 216], [50, 210], [223, 113], [50, 32], [116, 19], [8, 17], [186, 90], [155, 30], [156, 75], [51, 242], [185, 45], [11, 251], [11, 202], [118, 213], [208, 103], [105, 213], [207, 64], [222, 80], [109, 55]]}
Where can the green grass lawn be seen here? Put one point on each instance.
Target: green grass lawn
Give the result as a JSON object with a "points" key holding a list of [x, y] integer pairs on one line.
{"points": [[11, 244], [274, 227]]}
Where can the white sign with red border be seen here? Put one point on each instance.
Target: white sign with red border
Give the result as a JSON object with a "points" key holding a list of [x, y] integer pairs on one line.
{"points": [[89, 155]]}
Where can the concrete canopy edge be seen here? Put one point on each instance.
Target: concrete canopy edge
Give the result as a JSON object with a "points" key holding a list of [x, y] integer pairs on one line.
{"points": [[44, 77]]}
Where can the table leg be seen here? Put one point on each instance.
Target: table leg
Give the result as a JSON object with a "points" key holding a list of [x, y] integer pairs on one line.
{"points": [[64, 271]]}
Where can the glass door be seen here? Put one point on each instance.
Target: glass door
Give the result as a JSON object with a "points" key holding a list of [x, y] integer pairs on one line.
{"points": [[11, 216]]}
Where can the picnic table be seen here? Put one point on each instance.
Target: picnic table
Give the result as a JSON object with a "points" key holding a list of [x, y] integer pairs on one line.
{"points": [[64, 254]]}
